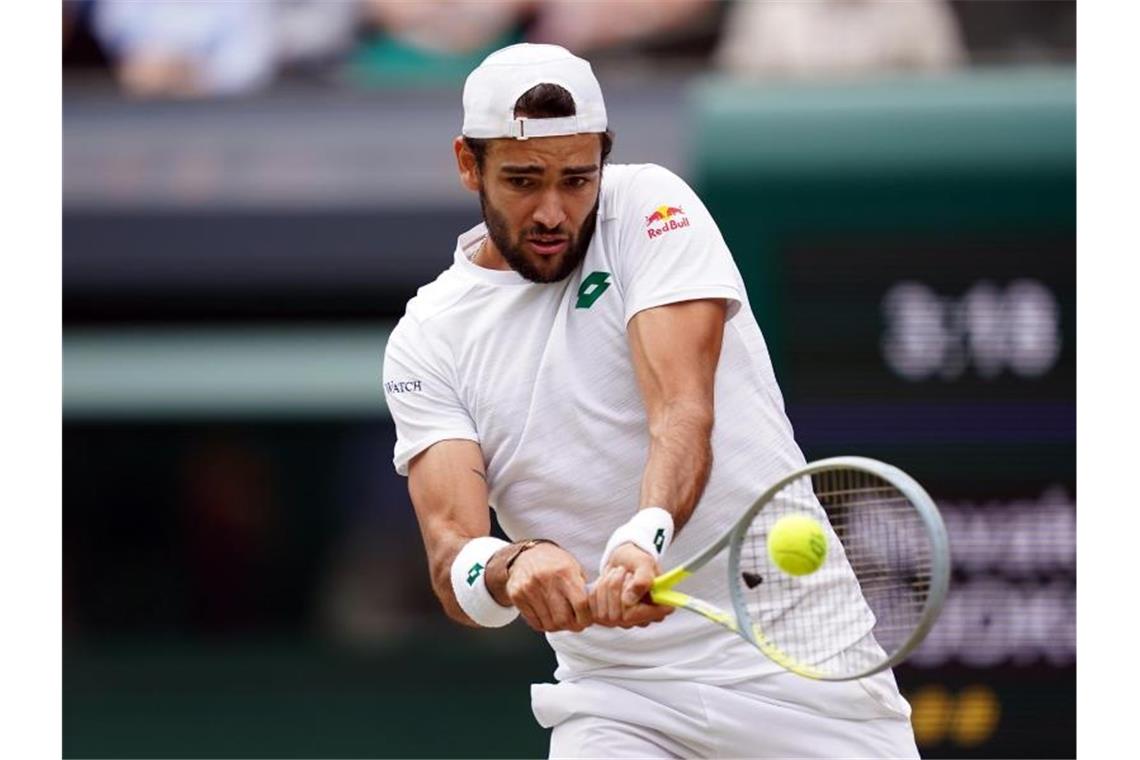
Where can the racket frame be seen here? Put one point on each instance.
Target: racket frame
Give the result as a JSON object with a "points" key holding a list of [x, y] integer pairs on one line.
{"points": [[738, 621]]}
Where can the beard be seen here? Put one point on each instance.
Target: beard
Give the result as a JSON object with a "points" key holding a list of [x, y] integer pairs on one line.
{"points": [[531, 266]]}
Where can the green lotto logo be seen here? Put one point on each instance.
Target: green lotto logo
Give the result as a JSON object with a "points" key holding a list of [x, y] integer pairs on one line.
{"points": [[592, 288], [659, 539], [474, 573]]}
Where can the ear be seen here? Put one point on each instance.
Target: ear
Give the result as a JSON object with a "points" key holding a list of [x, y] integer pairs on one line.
{"points": [[468, 167]]}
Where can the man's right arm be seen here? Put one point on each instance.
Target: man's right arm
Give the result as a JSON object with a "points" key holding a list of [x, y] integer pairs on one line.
{"points": [[449, 493], [448, 488]]}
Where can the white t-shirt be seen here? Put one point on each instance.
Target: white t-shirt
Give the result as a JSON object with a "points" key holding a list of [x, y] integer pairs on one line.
{"points": [[540, 375]]}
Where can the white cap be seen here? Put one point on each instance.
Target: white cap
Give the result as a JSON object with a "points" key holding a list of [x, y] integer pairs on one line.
{"points": [[493, 88]]}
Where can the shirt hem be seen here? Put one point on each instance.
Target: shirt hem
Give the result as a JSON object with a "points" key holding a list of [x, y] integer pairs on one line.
{"points": [[402, 460], [691, 294]]}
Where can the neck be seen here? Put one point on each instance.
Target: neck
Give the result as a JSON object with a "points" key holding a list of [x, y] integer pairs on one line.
{"points": [[488, 256]]}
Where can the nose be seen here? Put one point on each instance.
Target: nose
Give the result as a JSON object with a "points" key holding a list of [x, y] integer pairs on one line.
{"points": [[549, 212]]}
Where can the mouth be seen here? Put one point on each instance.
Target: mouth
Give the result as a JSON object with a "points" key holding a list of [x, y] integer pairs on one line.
{"points": [[548, 246]]}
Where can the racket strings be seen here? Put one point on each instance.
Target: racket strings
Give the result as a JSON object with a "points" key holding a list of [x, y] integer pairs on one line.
{"points": [[867, 598]]}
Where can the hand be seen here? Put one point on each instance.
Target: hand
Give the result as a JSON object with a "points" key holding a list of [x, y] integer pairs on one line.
{"points": [[547, 585], [619, 598]]}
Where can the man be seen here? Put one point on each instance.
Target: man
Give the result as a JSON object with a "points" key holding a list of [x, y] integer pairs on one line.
{"points": [[590, 368]]}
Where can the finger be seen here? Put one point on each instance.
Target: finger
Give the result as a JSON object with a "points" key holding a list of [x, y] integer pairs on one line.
{"points": [[641, 617], [662, 613], [561, 615], [522, 594], [614, 585], [579, 605], [543, 611], [533, 598], [528, 615], [642, 613], [637, 585], [599, 599]]}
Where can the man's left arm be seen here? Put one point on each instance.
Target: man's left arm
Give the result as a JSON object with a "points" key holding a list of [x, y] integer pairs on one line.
{"points": [[675, 350]]}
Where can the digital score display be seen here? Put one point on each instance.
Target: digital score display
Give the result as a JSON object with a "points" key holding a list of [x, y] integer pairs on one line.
{"points": [[930, 321]]}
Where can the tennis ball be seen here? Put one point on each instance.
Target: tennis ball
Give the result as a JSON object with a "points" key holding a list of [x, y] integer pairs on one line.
{"points": [[797, 544]]}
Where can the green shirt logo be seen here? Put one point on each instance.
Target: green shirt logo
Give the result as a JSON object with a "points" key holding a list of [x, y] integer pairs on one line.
{"points": [[474, 573], [592, 288]]}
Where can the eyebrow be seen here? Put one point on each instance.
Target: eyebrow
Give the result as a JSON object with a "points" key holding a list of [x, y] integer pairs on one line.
{"points": [[536, 169]]}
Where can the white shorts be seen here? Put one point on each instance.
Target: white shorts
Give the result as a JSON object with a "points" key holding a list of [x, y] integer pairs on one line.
{"points": [[778, 716]]}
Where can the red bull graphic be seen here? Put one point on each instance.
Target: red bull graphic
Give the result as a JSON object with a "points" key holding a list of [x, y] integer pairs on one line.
{"points": [[665, 219]]}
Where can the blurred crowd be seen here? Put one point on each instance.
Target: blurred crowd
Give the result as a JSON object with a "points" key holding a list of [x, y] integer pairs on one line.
{"points": [[175, 48]]}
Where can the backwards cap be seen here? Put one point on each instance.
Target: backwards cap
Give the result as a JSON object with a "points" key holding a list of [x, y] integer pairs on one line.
{"points": [[493, 88]]}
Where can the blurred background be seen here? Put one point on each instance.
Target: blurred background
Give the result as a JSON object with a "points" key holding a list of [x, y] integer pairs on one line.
{"points": [[253, 190]]}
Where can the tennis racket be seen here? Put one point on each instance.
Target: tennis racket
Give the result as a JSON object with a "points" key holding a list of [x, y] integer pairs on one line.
{"points": [[877, 593]]}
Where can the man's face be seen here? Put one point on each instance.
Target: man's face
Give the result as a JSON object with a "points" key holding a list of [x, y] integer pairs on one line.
{"points": [[540, 202]]}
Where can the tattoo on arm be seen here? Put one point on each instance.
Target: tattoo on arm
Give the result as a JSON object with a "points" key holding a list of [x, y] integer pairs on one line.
{"points": [[484, 477]]}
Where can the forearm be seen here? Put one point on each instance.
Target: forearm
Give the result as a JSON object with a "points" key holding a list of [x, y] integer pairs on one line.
{"points": [[676, 470], [441, 555], [448, 489], [680, 458]]}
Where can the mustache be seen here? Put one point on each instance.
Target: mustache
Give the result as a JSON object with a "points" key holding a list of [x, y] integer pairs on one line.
{"points": [[540, 231]]}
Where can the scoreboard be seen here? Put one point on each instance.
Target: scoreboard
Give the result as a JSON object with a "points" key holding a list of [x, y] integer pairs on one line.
{"points": [[909, 251]]}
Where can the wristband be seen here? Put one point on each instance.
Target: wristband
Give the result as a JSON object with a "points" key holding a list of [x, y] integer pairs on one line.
{"points": [[468, 583], [651, 530]]}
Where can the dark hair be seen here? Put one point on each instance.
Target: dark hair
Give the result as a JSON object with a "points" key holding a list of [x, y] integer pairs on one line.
{"points": [[543, 101]]}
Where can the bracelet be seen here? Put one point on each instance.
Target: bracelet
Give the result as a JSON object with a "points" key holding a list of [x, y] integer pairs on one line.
{"points": [[650, 530], [528, 544], [468, 583]]}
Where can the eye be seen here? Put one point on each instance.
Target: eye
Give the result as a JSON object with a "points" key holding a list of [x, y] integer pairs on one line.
{"points": [[520, 182], [577, 182]]}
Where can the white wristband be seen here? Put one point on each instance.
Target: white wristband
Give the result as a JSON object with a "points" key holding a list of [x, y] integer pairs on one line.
{"points": [[468, 582], [651, 529]]}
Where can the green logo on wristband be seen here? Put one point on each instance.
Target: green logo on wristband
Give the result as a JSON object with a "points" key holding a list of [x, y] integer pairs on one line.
{"points": [[659, 539], [474, 573]]}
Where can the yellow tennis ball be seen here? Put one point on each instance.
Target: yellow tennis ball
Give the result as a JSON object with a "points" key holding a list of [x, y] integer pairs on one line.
{"points": [[797, 544]]}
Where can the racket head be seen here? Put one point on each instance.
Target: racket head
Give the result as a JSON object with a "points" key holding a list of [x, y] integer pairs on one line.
{"points": [[880, 588]]}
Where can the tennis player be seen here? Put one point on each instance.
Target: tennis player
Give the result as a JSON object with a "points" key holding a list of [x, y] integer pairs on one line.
{"points": [[589, 368]]}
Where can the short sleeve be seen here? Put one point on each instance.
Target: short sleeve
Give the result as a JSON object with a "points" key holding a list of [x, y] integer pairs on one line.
{"points": [[670, 248], [420, 394]]}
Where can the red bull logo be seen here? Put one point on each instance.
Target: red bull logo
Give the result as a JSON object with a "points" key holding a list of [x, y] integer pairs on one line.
{"points": [[665, 219]]}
